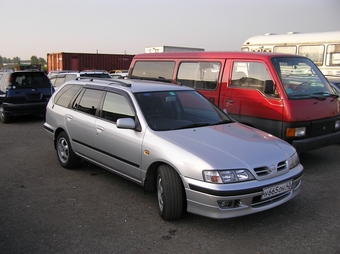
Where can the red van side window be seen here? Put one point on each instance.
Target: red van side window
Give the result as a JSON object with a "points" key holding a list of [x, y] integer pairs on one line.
{"points": [[199, 75], [249, 75]]}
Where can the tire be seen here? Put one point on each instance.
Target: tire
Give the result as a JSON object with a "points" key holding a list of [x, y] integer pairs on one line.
{"points": [[3, 117], [170, 193], [67, 158]]}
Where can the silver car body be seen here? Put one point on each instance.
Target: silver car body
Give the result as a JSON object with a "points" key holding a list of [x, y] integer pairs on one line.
{"points": [[131, 153]]}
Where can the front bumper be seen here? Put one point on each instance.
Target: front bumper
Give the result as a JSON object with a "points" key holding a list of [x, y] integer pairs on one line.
{"points": [[244, 200], [312, 143]]}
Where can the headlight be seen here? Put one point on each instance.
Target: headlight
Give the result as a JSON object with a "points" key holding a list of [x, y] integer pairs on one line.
{"points": [[296, 132], [227, 176], [337, 124], [293, 161]]}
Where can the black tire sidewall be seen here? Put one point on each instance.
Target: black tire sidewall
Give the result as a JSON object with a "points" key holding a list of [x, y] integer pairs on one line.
{"points": [[173, 193], [73, 159]]}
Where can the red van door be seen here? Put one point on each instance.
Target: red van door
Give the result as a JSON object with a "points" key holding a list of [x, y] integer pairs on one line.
{"points": [[245, 97]]}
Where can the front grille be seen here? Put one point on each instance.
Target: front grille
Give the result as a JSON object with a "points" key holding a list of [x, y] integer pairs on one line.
{"points": [[258, 202], [263, 171], [321, 129], [282, 165]]}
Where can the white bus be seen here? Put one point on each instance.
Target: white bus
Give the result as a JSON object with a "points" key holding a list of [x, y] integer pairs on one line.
{"points": [[322, 48]]}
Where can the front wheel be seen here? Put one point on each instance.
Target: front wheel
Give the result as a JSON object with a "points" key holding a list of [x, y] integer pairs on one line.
{"points": [[67, 158], [170, 193]]}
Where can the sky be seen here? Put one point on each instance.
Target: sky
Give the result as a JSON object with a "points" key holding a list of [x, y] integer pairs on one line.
{"points": [[39, 27]]}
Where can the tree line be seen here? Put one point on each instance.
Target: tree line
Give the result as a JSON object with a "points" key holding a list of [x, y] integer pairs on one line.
{"points": [[17, 60]]}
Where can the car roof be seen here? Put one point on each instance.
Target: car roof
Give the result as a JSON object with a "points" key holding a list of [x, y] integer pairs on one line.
{"points": [[132, 85], [211, 54], [94, 71]]}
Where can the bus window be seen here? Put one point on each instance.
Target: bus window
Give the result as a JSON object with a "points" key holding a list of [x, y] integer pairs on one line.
{"points": [[285, 49], [313, 52], [333, 55]]}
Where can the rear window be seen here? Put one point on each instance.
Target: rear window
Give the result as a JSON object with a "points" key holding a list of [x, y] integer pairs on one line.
{"points": [[30, 80]]}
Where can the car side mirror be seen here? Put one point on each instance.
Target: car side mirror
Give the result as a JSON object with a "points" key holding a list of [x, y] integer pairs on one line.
{"points": [[126, 123], [268, 87]]}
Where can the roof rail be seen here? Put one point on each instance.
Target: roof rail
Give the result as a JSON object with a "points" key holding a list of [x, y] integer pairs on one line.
{"points": [[112, 81], [121, 83]]}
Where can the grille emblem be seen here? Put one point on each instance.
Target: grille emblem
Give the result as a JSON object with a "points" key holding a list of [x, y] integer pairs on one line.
{"points": [[272, 169]]}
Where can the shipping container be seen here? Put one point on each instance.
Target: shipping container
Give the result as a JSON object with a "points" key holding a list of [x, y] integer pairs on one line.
{"points": [[87, 61]]}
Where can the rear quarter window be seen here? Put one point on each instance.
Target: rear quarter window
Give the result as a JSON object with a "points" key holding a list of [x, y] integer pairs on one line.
{"points": [[66, 94]]}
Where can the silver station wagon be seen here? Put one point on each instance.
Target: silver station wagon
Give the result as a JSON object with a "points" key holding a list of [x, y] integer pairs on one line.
{"points": [[172, 140]]}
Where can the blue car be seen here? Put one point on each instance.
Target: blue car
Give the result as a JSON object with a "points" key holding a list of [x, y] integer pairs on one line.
{"points": [[24, 92]]}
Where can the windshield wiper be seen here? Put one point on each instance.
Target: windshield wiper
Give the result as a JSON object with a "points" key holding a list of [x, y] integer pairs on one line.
{"points": [[319, 95], [192, 125], [224, 122], [326, 94], [162, 79]]}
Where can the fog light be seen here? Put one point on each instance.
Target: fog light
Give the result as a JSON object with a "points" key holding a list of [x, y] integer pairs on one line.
{"points": [[228, 203]]}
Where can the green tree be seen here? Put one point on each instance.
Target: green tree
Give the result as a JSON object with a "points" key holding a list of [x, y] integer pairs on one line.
{"points": [[16, 60], [34, 60], [42, 61]]}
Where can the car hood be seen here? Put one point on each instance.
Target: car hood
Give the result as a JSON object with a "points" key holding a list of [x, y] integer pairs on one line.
{"points": [[228, 145]]}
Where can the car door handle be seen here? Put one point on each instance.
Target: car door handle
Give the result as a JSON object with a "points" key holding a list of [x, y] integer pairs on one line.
{"points": [[69, 117], [229, 101], [99, 129]]}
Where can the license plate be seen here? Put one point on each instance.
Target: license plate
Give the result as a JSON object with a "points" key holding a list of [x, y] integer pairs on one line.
{"points": [[276, 189]]}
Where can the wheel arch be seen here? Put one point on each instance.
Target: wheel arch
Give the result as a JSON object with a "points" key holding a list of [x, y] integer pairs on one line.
{"points": [[150, 181], [56, 133]]}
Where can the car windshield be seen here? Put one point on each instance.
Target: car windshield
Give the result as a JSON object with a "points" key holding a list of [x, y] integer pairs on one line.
{"points": [[301, 78], [173, 110]]}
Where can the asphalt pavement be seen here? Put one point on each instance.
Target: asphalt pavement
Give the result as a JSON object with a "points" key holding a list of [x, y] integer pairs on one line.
{"points": [[45, 208]]}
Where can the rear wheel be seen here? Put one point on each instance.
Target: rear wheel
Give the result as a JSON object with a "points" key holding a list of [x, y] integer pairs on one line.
{"points": [[66, 156], [170, 193], [3, 117]]}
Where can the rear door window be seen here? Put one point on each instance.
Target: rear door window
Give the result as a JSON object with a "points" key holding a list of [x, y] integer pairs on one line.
{"points": [[89, 102]]}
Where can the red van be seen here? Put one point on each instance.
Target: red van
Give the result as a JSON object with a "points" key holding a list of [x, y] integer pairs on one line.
{"points": [[284, 95]]}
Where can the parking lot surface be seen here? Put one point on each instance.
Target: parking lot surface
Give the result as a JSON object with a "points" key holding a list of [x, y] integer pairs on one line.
{"points": [[45, 208]]}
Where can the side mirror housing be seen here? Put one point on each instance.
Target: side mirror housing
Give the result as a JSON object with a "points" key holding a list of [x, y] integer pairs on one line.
{"points": [[126, 123], [268, 87]]}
